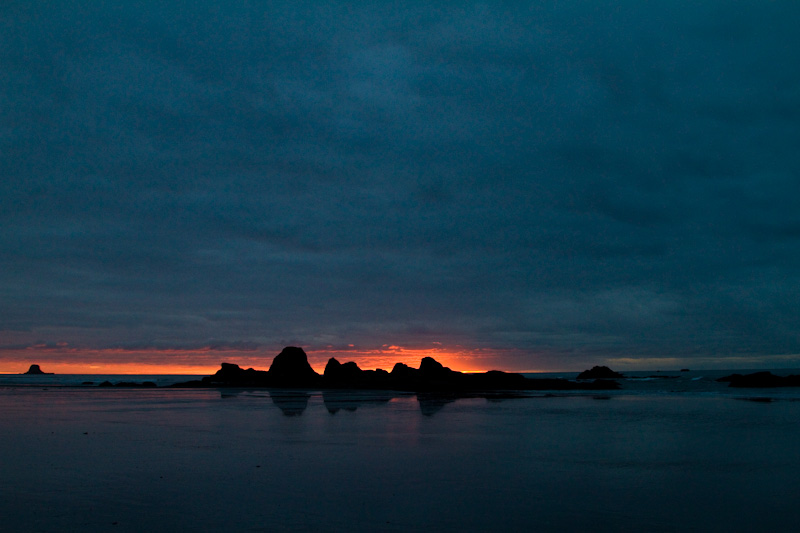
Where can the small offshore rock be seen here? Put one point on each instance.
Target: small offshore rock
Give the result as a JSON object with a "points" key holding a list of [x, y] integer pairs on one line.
{"points": [[37, 371], [599, 372], [761, 380]]}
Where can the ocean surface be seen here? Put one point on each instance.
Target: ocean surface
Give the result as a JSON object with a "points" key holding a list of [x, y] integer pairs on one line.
{"points": [[671, 451]]}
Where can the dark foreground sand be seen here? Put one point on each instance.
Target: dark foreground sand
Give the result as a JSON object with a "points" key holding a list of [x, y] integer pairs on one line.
{"points": [[202, 460]]}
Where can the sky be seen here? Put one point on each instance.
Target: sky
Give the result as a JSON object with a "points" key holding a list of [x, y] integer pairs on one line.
{"points": [[520, 186]]}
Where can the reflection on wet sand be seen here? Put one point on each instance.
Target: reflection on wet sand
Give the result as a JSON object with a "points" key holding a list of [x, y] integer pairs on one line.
{"points": [[291, 402], [294, 402], [430, 404], [336, 400]]}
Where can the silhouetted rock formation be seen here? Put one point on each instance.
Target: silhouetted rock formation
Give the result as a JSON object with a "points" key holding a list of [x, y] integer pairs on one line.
{"points": [[403, 372], [761, 380], [290, 369], [599, 372], [231, 375], [36, 371], [349, 376], [495, 379], [433, 369]]}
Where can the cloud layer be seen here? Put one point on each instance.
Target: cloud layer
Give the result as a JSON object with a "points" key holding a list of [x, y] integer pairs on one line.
{"points": [[569, 181]]}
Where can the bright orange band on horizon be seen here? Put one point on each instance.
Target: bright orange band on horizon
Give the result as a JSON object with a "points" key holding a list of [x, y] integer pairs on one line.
{"points": [[66, 360]]}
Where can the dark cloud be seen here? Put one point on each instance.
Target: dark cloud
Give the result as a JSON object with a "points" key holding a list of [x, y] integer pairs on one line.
{"points": [[574, 180]]}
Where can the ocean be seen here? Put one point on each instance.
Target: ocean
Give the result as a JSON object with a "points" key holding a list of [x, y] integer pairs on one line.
{"points": [[673, 451]]}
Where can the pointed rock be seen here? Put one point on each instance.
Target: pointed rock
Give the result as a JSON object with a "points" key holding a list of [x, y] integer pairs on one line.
{"points": [[332, 368]]}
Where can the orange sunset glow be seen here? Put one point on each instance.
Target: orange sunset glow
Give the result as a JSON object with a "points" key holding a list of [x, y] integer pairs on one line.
{"points": [[62, 359], [457, 358]]}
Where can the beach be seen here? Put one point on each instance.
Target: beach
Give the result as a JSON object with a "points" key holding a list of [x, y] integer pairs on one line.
{"points": [[647, 458]]}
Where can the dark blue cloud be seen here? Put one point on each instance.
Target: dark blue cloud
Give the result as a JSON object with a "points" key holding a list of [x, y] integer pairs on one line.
{"points": [[579, 180]]}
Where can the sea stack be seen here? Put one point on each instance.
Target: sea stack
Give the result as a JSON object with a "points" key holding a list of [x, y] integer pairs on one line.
{"points": [[291, 368], [599, 372], [35, 370]]}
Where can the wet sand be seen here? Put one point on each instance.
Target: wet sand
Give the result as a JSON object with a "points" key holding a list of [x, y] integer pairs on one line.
{"points": [[205, 460]]}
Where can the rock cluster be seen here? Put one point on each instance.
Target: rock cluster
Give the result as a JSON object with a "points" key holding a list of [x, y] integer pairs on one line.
{"points": [[761, 380], [600, 372], [290, 369]]}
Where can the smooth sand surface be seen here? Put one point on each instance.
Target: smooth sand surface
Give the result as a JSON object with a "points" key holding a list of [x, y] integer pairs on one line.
{"points": [[202, 460]]}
